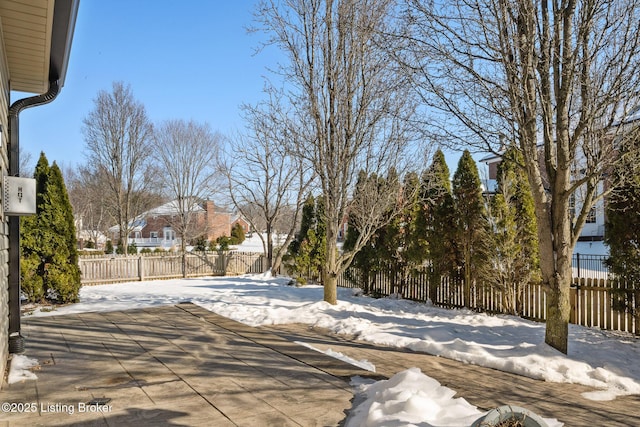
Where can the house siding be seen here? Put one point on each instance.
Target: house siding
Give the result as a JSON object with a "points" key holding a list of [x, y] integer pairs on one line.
{"points": [[243, 223], [592, 230], [4, 227], [218, 222]]}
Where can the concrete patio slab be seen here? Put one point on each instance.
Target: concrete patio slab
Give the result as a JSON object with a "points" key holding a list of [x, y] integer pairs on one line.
{"points": [[173, 365]]}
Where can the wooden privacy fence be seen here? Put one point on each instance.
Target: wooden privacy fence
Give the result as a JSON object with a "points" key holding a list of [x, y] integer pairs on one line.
{"points": [[96, 269], [595, 302], [608, 304]]}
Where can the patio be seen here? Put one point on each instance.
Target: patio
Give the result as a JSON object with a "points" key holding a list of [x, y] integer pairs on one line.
{"points": [[183, 365]]}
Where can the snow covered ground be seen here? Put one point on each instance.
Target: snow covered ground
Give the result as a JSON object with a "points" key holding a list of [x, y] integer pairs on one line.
{"points": [[591, 248], [253, 243], [596, 358]]}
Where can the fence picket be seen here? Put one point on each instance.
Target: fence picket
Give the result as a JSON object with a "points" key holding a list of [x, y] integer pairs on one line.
{"points": [[595, 301], [96, 269]]}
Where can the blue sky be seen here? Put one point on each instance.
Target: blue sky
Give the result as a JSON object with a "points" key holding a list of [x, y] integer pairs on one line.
{"points": [[191, 60], [183, 60]]}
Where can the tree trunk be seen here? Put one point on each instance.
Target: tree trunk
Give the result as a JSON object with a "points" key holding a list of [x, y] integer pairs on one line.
{"points": [[269, 253], [556, 269], [435, 279], [636, 311], [183, 247], [467, 278], [330, 282], [184, 264], [331, 268], [556, 251], [124, 240], [559, 312], [275, 266]]}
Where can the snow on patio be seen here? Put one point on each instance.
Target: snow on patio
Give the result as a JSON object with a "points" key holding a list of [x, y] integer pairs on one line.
{"points": [[596, 358]]}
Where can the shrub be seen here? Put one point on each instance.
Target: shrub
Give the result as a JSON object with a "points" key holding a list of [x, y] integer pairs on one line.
{"points": [[237, 234], [49, 245], [32, 284], [84, 252], [200, 244], [223, 243], [62, 286]]}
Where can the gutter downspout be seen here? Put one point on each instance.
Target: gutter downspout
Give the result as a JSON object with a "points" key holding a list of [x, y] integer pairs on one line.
{"points": [[16, 341]]}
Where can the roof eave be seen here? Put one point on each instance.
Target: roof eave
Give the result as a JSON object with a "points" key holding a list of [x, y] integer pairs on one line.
{"points": [[36, 42], [64, 22]]}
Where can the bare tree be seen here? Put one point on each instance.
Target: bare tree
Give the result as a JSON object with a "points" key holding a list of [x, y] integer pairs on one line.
{"points": [[354, 103], [186, 154], [267, 180], [554, 79], [252, 213], [26, 163], [87, 196], [117, 133]]}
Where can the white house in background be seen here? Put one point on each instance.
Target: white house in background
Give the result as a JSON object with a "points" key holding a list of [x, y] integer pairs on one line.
{"points": [[593, 229]]}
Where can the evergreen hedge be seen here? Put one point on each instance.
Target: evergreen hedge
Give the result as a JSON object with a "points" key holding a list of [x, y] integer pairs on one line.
{"points": [[49, 257]]}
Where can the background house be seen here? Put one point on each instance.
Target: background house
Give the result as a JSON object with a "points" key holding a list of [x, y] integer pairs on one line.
{"points": [[157, 227], [593, 229], [237, 218]]}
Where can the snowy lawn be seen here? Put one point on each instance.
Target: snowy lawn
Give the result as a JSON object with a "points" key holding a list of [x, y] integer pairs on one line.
{"points": [[596, 358]]}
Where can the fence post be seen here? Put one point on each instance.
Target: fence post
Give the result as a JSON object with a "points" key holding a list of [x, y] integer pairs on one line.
{"points": [[578, 263], [140, 269]]}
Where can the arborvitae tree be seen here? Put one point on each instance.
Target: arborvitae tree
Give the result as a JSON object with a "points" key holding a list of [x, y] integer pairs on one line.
{"points": [[622, 226], [308, 214], [50, 237], [374, 256], [63, 274], [31, 240], [306, 252], [412, 242], [511, 242], [469, 219], [524, 210], [237, 234], [622, 232], [367, 261], [399, 245], [435, 221]]}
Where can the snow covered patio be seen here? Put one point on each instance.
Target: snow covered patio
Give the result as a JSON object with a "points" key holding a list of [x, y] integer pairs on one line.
{"points": [[184, 365]]}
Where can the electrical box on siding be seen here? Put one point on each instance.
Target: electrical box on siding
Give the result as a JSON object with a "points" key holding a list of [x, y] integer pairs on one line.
{"points": [[19, 196]]}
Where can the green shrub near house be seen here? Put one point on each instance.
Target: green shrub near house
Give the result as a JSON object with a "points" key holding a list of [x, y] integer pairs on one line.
{"points": [[49, 257]]}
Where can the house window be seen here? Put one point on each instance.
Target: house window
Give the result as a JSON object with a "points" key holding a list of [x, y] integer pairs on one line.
{"points": [[591, 217], [572, 207], [153, 234], [169, 234]]}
